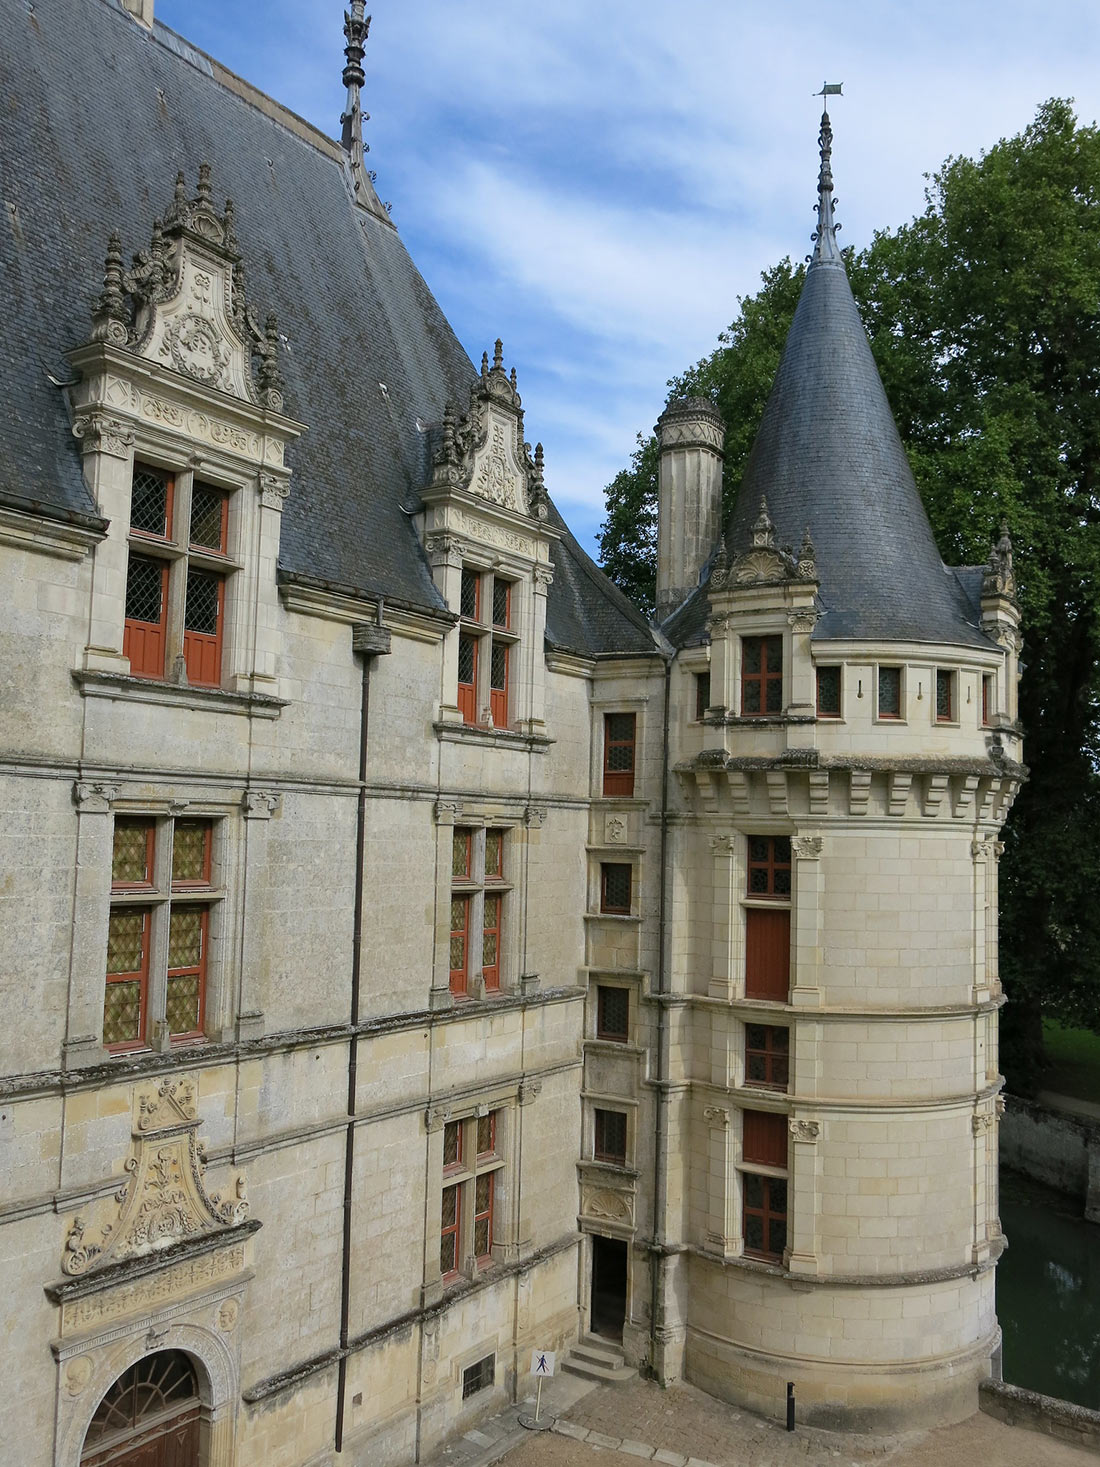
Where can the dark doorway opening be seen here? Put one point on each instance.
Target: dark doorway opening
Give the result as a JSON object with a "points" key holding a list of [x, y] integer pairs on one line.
{"points": [[608, 1303]]}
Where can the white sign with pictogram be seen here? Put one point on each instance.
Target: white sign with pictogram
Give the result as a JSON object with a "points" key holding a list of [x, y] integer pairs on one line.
{"points": [[542, 1363]]}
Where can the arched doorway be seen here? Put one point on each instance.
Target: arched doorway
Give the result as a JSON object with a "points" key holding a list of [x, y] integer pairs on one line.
{"points": [[149, 1417]]}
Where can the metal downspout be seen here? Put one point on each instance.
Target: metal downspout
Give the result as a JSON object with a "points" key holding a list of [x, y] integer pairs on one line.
{"points": [[370, 641], [660, 1138]]}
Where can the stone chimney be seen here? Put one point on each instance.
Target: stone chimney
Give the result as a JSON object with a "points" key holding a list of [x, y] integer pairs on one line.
{"points": [[141, 10], [690, 435]]}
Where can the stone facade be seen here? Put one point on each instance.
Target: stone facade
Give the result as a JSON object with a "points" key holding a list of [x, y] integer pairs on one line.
{"points": [[378, 965]]}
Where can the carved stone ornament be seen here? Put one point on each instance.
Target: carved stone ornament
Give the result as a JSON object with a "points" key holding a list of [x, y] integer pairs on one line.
{"points": [[94, 797], [804, 619], [982, 1123], [447, 812], [608, 1205], [807, 847], [723, 845], [274, 491], [436, 1117], [102, 433], [614, 830], [164, 1199], [534, 816], [182, 303], [765, 562], [261, 804], [804, 1130], [999, 578], [484, 453], [528, 1091], [717, 1115]]}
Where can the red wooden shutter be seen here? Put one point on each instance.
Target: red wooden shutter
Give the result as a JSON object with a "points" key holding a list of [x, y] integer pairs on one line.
{"points": [[490, 941], [143, 629], [619, 732], [498, 684], [467, 678], [460, 942], [764, 1139], [202, 627], [767, 954]]}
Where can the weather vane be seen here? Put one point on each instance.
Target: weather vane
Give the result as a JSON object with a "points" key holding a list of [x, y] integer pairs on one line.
{"points": [[830, 89]]}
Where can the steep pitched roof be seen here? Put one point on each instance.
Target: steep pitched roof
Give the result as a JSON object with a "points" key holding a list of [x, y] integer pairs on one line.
{"points": [[98, 116], [828, 456]]}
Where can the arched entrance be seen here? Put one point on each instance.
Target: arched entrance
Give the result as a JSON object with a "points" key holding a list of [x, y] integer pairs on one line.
{"points": [[149, 1417]]}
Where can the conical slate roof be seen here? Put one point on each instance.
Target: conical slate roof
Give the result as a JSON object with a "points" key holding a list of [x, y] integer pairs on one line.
{"points": [[828, 457]]}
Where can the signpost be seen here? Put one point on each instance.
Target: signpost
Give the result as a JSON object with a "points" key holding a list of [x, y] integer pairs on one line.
{"points": [[542, 1368]]}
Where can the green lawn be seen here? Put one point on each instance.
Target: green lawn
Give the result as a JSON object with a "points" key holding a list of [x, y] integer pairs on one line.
{"points": [[1074, 1061]]}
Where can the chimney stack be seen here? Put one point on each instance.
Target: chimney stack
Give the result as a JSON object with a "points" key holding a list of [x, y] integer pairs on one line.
{"points": [[141, 10], [690, 436]]}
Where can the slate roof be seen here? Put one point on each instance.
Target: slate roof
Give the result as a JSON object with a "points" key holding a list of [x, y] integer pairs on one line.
{"points": [[828, 456], [97, 115]]}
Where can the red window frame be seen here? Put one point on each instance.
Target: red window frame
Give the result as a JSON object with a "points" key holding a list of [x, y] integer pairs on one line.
{"points": [[192, 970], [143, 642], [452, 1132], [606, 868], [462, 853], [763, 1043], [889, 710], [498, 683], [491, 1150], [471, 579], [189, 883], [771, 1211], [619, 783], [202, 651], [495, 873], [459, 979], [492, 925], [764, 684], [140, 976], [123, 822], [223, 537], [506, 586], [822, 711], [449, 1232], [987, 690], [169, 482], [945, 685], [609, 1137], [467, 691], [771, 862], [483, 1215], [620, 1001]]}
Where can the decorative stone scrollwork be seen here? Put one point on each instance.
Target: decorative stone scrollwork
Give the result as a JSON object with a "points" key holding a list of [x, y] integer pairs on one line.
{"points": [[528, 1091], [609, 1205], [803, 1130], [614, 830], [723, 845], [94, 797], [717, 1116], [165, 1198], [982, 1123], [544, 576], [274, 492], [448, 812], [803, 620], [534, 817], [436, 1117], [261, 804], [101, 433], [807, 847]]}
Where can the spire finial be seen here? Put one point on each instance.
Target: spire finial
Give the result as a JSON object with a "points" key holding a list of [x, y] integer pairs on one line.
{"points": [[356, 30], [824, 236], [498, 354]]}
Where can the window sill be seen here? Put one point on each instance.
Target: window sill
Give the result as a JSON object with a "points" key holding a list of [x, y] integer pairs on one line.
{"points": [[768, 720], [500, 738], [610, 917], [609, 1169], [132, 689]]}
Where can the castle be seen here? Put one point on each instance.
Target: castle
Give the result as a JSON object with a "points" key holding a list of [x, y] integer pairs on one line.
{"points": [[412, 955]]}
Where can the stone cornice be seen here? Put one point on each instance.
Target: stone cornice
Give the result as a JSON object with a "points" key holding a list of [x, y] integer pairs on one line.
{"points": [[32, 529]]}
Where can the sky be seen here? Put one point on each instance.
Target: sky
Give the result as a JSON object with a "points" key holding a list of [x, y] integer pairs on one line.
{"points": [[597, 182]]}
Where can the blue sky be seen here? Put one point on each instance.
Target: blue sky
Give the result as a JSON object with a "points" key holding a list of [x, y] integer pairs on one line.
{"points": [[598, 182]]}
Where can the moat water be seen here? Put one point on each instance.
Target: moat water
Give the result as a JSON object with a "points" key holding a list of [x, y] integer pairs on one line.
{"points": [[1048, 1292]]}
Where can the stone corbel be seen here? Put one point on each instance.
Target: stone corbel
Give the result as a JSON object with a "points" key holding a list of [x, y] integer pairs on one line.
{"points": [[804, 1130], [92, 797], [528, 1091], [717, 1116], [807, 847], [534, 817], [102, 433], [261, 804], [274, 490], [435, 1118], [448, 812]]}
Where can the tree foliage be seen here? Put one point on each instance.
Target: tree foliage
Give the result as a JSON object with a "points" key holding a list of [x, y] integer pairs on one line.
{"points": [[984, 318]]}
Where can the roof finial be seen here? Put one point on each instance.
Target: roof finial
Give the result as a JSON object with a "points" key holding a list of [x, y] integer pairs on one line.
{"points": [[824, 236], [356, 29], [498, 354]]}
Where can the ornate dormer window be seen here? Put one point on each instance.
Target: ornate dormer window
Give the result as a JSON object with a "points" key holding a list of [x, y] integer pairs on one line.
{"points": [[488, 537], [180, 414]]}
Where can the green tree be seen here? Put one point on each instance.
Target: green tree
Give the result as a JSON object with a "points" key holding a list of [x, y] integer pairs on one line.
{"points": [[984, 317]]}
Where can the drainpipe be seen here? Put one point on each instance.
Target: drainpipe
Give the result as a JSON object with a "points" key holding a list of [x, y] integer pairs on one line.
{"points": [[660, 1137], [370, 641]]}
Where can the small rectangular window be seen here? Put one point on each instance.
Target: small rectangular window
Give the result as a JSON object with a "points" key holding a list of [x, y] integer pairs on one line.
{"points": [[502, 603], [764, 1216], [619, 734], [612, 1013], [127, 991], [761, 676], [467, 678], [191, 846], [461, 853], [945, 696], [494, 855], [460, 943], [143, 630], [769, 866], [767, 1056], [490, 940], [151, 501], [452, 1145], [889, 692], [610, 1137], [486, 1135], [615, 887], [499, 655], [483, 1216], [702, 694], [478, 1377], [209, 518], [764, 1138], [203, 617], [987, 698], [132, 854], [828, 692]]}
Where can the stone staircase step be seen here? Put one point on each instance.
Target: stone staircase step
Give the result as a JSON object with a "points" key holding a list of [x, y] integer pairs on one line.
{"points": [[599, 1352], [596, 1359]]}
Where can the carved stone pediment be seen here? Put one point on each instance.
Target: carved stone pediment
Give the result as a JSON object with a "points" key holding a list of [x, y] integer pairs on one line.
{"points": [[765, 562], [182, 303], [164, 1198], [484, 452]]}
